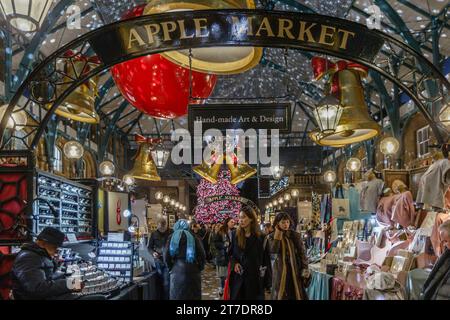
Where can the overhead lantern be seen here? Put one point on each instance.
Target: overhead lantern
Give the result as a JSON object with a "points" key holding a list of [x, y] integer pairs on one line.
{"points": [[73, 149], [217, 60], [328, 114], [160, 156], [355, 124], [25, 15], [159, 195], [128, 180], [17, 120], [353, 164], [80, 104], [166, 199], [389, 146], [107, 168], [287, 197], [295, 193], [329, 176]]}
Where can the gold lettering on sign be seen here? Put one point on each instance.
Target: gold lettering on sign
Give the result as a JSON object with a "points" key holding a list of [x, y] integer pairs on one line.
{"points": [[345, 38], [307, 31], [265, 25], [134, 37], [283, 29], [324, 34], [199, 28], [168, 27], [242, 27], [152, 29], [183, 34]]}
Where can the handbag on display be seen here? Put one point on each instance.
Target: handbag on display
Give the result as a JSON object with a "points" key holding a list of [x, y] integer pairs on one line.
{"points": [[340, 208]]}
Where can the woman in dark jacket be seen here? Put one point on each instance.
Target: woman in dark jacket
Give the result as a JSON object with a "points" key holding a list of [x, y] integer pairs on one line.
{"points": [[185, 258], [290, 273], [249, 260]]}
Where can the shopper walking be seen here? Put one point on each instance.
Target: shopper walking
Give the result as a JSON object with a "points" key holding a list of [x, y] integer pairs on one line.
{"points": [[249, 260], [185, 258], [290, 273], [156, 245], [437, 286], [204, 234], [221, 243]]}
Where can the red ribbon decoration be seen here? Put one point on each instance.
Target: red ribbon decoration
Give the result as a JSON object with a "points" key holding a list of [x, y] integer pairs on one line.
{"points": [[118, 215], [322, 66], [141, 139]]}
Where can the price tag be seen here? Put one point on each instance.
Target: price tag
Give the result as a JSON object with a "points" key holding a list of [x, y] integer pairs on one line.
{"points": [[71, 237], [117, 236]]}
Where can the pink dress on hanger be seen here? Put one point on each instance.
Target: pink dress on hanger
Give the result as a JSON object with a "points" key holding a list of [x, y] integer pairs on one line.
{"points": [[403, 211], [384, 210]]}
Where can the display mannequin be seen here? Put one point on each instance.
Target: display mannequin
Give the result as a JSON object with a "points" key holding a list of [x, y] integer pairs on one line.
{"points": [[403, 211], [434, 183], [371, 192]]}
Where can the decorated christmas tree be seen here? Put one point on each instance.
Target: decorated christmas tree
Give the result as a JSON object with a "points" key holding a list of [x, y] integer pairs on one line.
{"points": [[216, 211]]}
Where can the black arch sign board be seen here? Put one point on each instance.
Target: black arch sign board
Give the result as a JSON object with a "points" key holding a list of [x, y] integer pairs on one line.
{"points": [[182, 30]]}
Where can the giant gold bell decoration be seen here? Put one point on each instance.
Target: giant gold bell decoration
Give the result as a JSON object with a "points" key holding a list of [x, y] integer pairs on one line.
{"points": [[355, 124], [239, 172], [144, 167], [79, 105], [217, 60], [210, 169]]}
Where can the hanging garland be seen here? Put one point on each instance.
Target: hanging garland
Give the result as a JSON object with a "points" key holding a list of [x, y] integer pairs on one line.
{"points": [[217, 211]]}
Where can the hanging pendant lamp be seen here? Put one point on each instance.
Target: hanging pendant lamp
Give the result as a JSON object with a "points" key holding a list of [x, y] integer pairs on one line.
{"points": [[216, 60], [25, 15]]}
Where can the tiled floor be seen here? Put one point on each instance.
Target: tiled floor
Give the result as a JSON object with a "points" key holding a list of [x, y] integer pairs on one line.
{"points": [[210, 283]]}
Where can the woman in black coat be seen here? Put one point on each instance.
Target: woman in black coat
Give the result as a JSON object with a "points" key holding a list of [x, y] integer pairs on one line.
{"points": [[185, 258], [250, 261], [290, 274]]}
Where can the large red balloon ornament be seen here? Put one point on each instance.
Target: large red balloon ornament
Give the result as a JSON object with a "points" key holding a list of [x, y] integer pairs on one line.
{"points": [[157, 86]]}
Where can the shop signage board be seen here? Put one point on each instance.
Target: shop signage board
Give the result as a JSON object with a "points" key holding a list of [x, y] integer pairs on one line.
{"points": [[182, 30], [241, 116]]}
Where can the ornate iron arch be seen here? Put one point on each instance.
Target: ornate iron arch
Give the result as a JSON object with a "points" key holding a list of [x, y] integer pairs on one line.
{"points": [[107, 43]]}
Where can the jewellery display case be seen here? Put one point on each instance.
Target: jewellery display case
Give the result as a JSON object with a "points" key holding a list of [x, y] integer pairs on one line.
{"points": [[63, 204], [116, 258]]}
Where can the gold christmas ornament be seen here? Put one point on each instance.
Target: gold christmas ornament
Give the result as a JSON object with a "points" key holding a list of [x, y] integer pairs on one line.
{"points": [[144, 166], [239, 172], [217, 60], [210, 169], [80, 104]]}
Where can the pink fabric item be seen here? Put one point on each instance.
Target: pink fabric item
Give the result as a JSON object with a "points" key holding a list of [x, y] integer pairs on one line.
{"points": [[384, 210], [398, 246], [435, 236], [403, 211]]}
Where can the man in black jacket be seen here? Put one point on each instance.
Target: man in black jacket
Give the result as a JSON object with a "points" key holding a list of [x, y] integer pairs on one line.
{"points": [[156, 245], [437, 286], [33, 272]]}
